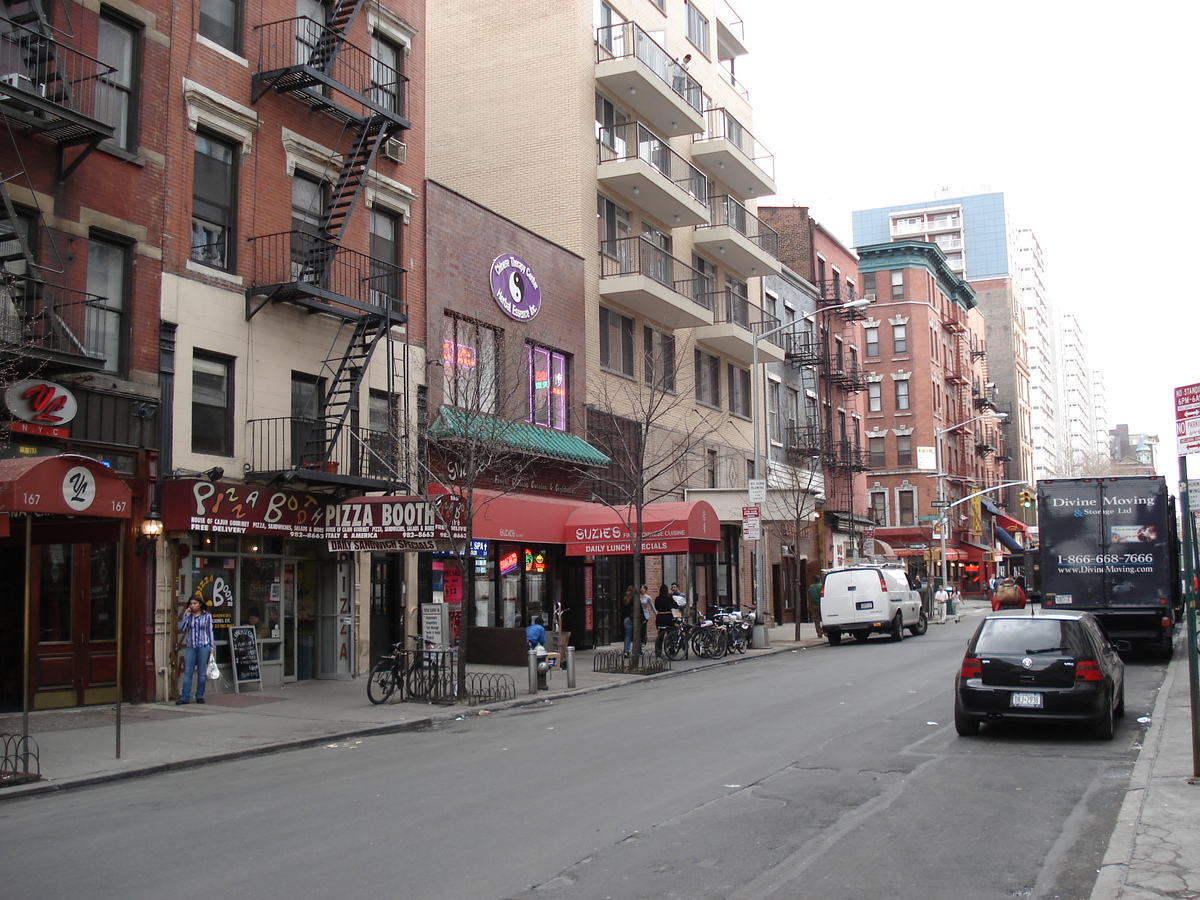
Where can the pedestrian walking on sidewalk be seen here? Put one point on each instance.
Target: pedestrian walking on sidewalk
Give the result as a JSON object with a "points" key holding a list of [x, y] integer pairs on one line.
{"points": [[197, 626], [939, 604], [665, 612]]}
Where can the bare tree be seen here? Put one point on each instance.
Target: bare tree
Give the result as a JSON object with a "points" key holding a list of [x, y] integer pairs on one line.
{"points": [[791, 502], [656, 437]]}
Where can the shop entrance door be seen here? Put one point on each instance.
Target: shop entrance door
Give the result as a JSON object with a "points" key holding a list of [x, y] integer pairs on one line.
{"points": [[335, 622], [74, 615]]}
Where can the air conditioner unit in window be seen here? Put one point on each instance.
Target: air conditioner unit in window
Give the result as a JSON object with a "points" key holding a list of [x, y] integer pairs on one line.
{"points": [[395, 150], [22, 82], [870, 296]]}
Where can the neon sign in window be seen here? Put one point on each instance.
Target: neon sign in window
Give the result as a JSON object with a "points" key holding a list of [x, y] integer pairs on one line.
{"points": [[509, 561], [547, 388]]}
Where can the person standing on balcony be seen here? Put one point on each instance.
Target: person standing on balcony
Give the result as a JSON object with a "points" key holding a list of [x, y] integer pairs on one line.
{"points": [[681, 67]]}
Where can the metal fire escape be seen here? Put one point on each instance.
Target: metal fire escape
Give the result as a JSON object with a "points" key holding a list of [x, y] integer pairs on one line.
{"points": [[317, 65], [49, 91]]}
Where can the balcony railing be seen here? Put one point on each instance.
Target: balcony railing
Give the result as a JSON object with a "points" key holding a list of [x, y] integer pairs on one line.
{"points": [[727, 211], [804, 439], [634, 140], [800, 349], [628, 39], [723, 126], [46, 321], [847, 375], [848, 456], [42, 80], [638, 256], [298, 267], [298, 444], [302, 55]]}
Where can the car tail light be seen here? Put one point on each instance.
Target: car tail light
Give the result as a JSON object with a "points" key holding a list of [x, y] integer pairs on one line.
{"points": [[882, 583], [971, 668], [1088, 670], [1166, 621]]}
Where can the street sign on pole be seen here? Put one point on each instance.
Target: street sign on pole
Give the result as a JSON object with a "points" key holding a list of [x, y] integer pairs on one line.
{"points": [[939, 504], [1187, 418], [751, 524], [758, 490]]}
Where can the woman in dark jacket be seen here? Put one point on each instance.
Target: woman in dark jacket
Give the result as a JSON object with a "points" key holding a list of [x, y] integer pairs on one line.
{"points": [[664, 616]]}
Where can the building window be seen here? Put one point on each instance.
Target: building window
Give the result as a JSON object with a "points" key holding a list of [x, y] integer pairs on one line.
{"points": [[738, 297], [385, 260], [108, 279], [660, 359], [308, 424], [706, 280], [116, 104], [710, 468], [309, 201], [387, 61], [12, 257], [212, 408], [547, 388], [869, 283], [613, 223], [872, 340], [382, 436], [616, 342], [898, 285], [908, 508], [874, 397], [902, 394], [697, 28], [879, 508], [904, 453], [739, 391], [221, 23], [708, 379], [470, 359], [899, 339], [877, 447], [774, 419], [214, 202]]}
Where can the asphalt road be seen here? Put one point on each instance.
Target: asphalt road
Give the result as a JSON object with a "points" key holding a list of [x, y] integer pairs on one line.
{"points": [[823, 773]]}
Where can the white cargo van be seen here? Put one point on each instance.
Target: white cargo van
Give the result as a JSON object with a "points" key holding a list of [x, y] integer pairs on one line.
{"points": [[870, 599]]}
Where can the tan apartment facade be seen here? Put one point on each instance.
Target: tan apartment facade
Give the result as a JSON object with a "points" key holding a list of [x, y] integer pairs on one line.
{"points": [[618, 132]]}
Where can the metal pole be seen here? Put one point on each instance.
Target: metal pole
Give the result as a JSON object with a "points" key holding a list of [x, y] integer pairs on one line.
{"points": [[28, 637], [1189, 536], [941, 477], [758, 395], [120, 625]]}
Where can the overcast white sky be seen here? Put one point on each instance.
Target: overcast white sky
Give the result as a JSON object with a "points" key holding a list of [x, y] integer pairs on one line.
{"points": [[1082, 114]]}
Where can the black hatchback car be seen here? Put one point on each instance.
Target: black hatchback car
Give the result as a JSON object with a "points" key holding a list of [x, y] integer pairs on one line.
{"points": [[1053, 667]]}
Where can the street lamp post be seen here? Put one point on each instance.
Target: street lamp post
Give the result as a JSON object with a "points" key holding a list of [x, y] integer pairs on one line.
{"points": [[941, 477], [760, 467]]}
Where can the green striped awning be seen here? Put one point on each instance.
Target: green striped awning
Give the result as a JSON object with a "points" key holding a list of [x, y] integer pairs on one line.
{"points": [[458, 423]]}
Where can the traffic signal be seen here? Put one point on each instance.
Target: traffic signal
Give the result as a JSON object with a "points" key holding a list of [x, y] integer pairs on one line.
{"points": [[1026, 499]]}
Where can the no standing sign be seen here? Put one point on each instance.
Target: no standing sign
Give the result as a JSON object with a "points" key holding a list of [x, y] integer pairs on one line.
{"points": [[1187, 419]]}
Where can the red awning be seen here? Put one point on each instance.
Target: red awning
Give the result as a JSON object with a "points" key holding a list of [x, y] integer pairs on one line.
{"points": [[523, 518], [951, 553], [64, 485], [666, 528], [1009, 524]]}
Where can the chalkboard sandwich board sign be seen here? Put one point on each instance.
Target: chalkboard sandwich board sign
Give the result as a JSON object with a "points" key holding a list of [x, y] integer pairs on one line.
{"points": [[244, 645]]}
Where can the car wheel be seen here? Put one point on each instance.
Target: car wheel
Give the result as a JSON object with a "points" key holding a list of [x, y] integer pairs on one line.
{"points": [[835, 638], [964, 724], [922, 625], [1119, 712], [898, 628], [1104, 728]]}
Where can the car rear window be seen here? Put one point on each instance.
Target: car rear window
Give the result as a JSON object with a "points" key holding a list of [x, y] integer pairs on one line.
{"points": [[1021, 634]]}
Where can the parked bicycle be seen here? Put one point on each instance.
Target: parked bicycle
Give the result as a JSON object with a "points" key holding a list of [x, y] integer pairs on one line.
{"points": [[416, 674]]}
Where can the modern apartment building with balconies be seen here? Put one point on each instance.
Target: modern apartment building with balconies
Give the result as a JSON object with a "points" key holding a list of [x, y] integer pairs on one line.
{"points": [[619, 132]]}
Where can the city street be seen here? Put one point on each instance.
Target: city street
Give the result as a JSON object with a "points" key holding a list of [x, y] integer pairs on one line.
{"points": [[823, 773]]}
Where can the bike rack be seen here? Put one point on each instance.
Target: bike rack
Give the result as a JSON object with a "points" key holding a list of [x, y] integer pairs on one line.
{"points": [[486, 687], [616, 662], [21, 762]]}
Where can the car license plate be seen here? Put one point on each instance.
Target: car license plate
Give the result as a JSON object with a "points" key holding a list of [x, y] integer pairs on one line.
{"points": [[865, 604], [1026, 700]]}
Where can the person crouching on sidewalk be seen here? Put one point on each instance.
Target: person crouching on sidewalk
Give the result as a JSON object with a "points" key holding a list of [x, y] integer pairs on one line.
{"points": [[197, 627]]}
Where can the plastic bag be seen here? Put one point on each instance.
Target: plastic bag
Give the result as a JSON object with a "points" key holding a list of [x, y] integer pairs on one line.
{"points": [[213, 673]]}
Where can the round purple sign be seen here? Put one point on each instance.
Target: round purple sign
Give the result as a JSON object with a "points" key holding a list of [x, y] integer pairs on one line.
{"points": [[515, 287]]}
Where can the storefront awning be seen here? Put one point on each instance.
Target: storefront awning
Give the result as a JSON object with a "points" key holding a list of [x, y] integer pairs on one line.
{"points": [[691, 527], [65, 485], [951, 553], [519, 517], [1009, 542], [533, 439]]}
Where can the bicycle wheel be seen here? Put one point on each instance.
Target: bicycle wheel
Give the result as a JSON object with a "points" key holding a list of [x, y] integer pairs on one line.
{"points": [[382, 683], [675, 646], [421, 682]]}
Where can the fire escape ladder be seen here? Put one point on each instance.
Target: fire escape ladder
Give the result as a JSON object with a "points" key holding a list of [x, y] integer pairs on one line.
{"points": [[342, 395], [39, 52], [10, 232], [372, 131], [333, 36]]}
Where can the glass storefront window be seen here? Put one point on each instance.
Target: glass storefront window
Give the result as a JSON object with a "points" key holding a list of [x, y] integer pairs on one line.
{"points": [[103, 592]]}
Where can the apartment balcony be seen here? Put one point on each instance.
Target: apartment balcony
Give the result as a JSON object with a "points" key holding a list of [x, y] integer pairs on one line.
{"points": [[46, 329], [642, 277], [739, 240], [631, 64], [320, 276], [318, 66], [731, 36], [642, 168], [734, 156], [846, 375], [295, 450], [50, 89], [735, 323], [847, 456]]}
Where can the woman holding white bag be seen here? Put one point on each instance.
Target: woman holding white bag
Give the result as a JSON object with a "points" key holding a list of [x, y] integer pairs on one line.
{"points": [[197, 626]]}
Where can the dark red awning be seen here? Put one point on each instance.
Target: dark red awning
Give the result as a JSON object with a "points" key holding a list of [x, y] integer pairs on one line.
{"points": [[666, 528], [64, 485]]}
